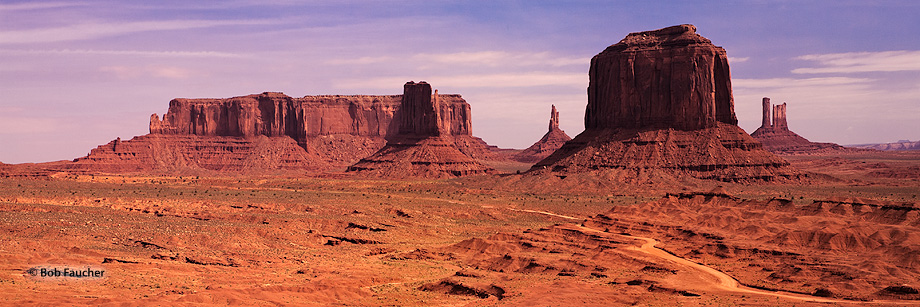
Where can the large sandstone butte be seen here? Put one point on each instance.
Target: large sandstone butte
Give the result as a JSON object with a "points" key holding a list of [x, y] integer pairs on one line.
{"points": [[552, 140], [422, 147], [275, 131], [662, 100], [777, 138]]}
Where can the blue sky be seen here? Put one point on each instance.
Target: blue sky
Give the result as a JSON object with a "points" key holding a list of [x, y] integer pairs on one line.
{"points": [[77, 74]]}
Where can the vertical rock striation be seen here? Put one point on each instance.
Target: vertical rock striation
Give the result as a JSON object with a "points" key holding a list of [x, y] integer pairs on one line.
{"points": [[420, 113], [660, 101], [667, 78], [329, 132], [276, 114], [553, 119], [779, 117], [765, 122], [421, 148]]}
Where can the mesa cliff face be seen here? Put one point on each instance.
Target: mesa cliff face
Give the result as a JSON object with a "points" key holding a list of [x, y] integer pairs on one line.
{"points": [[661, 101], [777, 138], [276, 114], [422, 148], [667, 78], [552, 140]]}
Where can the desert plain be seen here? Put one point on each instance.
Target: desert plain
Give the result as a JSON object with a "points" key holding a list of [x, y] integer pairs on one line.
{"points": [[288, 239]]}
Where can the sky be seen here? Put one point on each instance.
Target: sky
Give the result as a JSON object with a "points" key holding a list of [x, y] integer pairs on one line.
{"points": [[78, 74]]}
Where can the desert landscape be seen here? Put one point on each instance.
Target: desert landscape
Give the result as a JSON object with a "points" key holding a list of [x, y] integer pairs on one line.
{"points": [[389, 200], [459, 153]]}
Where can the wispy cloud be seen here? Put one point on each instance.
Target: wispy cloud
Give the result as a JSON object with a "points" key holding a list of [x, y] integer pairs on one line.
{"points": [[477, 58], [141, 53], [501, 58], [366, 60], [168, 72], [26, 125], [738, 60], [477, 80], [6, 7], [99, 30], [857, 62], [797, 82]]}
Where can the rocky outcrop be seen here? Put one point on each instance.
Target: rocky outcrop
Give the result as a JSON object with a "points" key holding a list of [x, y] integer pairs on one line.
{"points": [[276, 114], [419, 111], [777, 138], [871, 244], [668, 78], [662, 100], [421, 148], [193, 153], [331, 131], [779, 117], [552, 140]]}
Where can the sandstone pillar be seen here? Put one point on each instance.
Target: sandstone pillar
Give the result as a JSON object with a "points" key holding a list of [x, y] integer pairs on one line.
{"points": [[766, 113], [779, 117], [419, 115], [553, 119]]}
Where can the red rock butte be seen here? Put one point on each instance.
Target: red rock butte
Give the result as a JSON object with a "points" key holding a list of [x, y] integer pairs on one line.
{"points": [[667, 78], [275, 131], [661, 100], [421, 148], [776, 137]]}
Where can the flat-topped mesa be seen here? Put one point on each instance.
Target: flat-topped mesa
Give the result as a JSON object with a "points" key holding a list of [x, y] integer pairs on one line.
{"points": [[276, 114], [329, 132], [667, 78], [661, 102]]}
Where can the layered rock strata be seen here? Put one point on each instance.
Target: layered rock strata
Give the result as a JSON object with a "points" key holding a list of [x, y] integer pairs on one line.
{"points": [[422, 147], [662, 100], [667, 78], [192, 153], [552, 140], [276, 114], [777, 138]]}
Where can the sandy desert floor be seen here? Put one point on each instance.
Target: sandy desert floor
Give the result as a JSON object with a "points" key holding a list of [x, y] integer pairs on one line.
{"points": [[334, 239]]}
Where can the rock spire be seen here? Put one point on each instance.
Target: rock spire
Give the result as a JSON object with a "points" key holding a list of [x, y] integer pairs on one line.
{"points": [[553, 119], [777, 138], [552, 140]]}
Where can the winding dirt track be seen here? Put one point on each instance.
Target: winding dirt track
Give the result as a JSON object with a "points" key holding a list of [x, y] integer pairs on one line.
{"points": [[717, 279]]}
